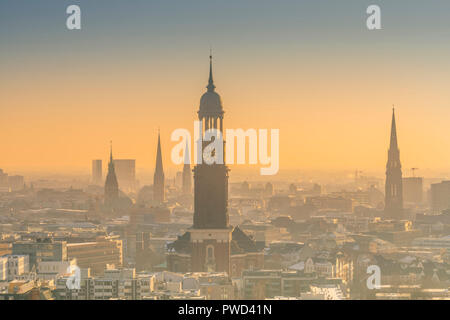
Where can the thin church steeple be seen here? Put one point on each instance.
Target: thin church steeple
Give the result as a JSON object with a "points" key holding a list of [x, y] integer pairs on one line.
{"points": [[158, 178], [394, 182], [393, 144], [111, 184]]}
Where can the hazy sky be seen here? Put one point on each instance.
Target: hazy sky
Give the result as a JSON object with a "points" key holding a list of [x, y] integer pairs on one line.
{"points": [[309, 68]]}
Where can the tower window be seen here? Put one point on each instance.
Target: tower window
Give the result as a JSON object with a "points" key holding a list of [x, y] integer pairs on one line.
{"points": [[210, 252]]}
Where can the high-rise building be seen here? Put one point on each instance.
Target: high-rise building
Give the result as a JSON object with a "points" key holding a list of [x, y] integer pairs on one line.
{"points": [[394, 184], [11, 183], [3, 179], [412, 190], [111, 185], [158, 177], [97, 175], [126, 174], [16, 183], [440, 196]]}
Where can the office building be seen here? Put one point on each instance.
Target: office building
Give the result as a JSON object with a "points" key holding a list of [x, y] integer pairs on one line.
{"points": [[126, 174], [41, 250], [97, 174], [440, 196], [413, 190]]}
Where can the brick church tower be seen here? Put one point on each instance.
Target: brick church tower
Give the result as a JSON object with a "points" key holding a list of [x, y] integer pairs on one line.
{"points": [[211, 233], [394, 184], [211, 244]]}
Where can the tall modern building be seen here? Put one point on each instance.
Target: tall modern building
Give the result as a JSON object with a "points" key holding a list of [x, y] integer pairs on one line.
{"points": [[97, 174], [158, 177], [440, 196], [211, 244], [126, 174], [412, 190], [111, 185], [187, 173], [16, 183], [3, 179], [394, 186]]}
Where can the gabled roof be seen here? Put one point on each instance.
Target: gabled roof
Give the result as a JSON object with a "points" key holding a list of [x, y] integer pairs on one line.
{"points": [[240, 243]]}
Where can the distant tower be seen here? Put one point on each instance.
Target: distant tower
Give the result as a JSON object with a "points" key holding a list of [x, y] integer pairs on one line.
{"points": [[394, 188], [187, 173], [111, 185], [158, 178], [97, 174]]}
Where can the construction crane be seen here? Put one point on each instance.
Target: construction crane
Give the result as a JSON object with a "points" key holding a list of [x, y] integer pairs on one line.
{"points": [[413, 171]]}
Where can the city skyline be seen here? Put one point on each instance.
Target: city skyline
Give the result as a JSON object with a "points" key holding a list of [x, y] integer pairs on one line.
{"points": [[316, 96], [224, 150]]}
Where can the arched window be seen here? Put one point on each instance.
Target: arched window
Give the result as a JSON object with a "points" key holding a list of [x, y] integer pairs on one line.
{"points": [[210, 252]]}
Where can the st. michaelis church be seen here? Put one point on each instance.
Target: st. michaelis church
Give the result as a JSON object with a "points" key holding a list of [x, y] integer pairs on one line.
{"points": [[211, 244]]}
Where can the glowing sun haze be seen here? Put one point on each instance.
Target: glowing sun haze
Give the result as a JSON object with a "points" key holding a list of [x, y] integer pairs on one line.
{"points": [[326, 82]]}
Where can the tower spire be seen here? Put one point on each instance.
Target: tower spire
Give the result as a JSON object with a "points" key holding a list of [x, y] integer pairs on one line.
{"points": [[111, 184], [158, 177], [394, 183], [210, 85], [159, 164], [110, 152], [393, 144]]}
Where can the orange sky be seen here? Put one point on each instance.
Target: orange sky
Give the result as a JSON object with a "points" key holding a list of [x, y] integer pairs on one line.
{"points": [[328, 118], [323, 79]]}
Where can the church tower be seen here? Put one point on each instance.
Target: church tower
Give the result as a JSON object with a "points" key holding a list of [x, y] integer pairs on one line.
{"points": [[158, 177], [211, 233], [111, 184], [211, 244], [394, 187]]}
